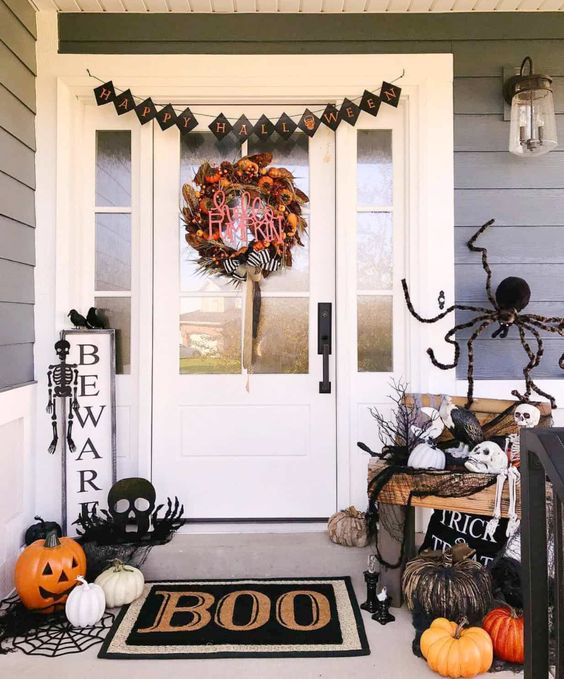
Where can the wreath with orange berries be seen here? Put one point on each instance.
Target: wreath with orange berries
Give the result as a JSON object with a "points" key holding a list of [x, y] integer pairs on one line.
{"points": [[275, 199]]}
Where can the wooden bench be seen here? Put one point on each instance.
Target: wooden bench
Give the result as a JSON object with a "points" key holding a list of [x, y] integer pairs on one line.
{"points": [[396, 493]]}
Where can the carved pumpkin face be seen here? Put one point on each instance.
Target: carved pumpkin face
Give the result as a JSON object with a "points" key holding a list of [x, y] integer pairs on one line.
{"points": [[47, 571]]}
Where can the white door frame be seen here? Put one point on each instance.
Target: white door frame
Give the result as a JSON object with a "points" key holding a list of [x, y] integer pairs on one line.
{"points": [[63, 86]]}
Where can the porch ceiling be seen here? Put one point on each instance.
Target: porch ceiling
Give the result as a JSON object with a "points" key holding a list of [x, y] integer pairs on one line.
{"points": [[297, 6]]}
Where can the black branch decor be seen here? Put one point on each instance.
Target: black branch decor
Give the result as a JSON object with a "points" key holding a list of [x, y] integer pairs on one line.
{"points": [[511, 296], [401, 430]]}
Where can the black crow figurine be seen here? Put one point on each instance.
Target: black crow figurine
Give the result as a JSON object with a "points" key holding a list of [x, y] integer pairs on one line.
{"points": [[93, 319], [77, 319], [463, 425]]}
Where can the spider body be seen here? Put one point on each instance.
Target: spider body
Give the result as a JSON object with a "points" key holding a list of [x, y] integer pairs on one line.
{"points": [[511, 297]]}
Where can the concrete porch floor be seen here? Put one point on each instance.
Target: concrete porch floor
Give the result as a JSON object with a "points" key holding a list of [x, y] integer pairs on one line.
{"points": [[250, 555]]}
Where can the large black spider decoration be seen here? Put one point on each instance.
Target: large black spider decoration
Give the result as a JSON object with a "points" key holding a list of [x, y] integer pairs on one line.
{"points": [[511, 297]]}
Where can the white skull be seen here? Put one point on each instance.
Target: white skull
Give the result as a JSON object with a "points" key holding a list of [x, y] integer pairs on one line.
{"points": [[487, 458], [430, 421], [526, 415]]}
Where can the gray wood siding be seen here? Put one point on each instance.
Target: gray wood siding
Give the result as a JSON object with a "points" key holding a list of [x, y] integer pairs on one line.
{"points": [[525, 197], [17, 191]]}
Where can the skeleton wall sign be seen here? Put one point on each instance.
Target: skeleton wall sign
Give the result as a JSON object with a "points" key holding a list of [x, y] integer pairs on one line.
{"points": [[89, 465], [62, 383]]}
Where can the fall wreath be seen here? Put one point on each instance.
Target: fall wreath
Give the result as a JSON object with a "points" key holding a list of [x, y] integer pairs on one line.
{"points": [[243, 217]]}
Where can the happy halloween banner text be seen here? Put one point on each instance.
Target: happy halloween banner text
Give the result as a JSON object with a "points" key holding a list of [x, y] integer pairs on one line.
{"points": [[167, 116]]}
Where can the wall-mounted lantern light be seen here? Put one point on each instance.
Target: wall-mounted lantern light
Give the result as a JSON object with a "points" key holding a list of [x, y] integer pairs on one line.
{"points": [[533, 123]]}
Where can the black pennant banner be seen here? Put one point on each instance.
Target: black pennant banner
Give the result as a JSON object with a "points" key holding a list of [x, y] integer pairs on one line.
{"points": [[146, 111], [309, 122], [124, 102], [331, 117], [264, 128], [186, 121], [220, 127], [105, 93], [166, 117], [349, 112]]}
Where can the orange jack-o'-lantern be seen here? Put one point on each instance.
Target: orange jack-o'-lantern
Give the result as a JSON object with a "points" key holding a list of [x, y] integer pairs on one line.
{"points": [[46, 571]]}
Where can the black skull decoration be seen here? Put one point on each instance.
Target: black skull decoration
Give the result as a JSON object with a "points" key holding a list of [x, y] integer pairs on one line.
{"points": [[132, 500]]}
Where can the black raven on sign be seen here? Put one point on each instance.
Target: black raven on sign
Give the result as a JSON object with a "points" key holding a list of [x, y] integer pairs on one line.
{"points": [[463, 425]]}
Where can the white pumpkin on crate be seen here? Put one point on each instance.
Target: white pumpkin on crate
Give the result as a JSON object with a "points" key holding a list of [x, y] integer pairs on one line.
{"points": [[122, 584], [86, 604], [426, 456], [348, 528]]}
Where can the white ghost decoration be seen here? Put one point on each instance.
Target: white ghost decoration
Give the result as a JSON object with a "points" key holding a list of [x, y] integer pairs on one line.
{"points": [[431, 422], [526, 415], [487, 458]]}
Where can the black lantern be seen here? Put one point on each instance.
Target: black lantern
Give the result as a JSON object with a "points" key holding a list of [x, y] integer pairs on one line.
{"points": [[533, 123]]}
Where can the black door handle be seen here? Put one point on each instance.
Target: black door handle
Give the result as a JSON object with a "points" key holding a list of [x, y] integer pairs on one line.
{"points": [[324, 343]]}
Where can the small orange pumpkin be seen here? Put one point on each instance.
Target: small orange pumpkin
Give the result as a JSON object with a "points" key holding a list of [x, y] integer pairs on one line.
{"points": [[453, 651], [47, 571], [505, 627]]}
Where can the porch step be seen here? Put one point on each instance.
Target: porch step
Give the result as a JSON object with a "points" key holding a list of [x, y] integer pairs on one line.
{"points": [[248, 555]]}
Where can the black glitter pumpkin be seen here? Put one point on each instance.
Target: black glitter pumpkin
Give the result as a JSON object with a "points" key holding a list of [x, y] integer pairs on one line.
{"points": [[39, 531], [448, 585]]}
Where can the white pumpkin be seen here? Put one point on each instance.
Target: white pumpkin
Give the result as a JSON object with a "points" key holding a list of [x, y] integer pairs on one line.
{"points": [[424, 456], [121, 584], [85, 604]]}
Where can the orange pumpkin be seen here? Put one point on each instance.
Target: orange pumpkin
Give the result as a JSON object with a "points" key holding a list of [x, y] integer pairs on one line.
{"points": [[453, 651], [505, 627], [46, 572]]}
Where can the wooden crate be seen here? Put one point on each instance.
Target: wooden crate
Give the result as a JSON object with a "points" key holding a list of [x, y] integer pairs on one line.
{"points": [[396, 492]]}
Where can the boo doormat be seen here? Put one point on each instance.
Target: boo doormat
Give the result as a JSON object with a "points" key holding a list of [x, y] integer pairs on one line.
{"points": [[284, 617]]}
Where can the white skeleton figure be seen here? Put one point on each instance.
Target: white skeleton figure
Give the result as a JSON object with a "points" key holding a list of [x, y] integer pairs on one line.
{"points": [[487, 458], [525, 416], [432, 425]]}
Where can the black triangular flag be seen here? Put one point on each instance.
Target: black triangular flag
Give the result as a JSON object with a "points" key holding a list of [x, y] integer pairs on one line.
{"points": [[309, 123], [166, 117], [243, 128], [349, 112], [220, 127], [186, 121], [285, 126], [331, 117], [105, 93], [370, 103], [124, 102], [146, 111], [264, 128], [390, 94]]}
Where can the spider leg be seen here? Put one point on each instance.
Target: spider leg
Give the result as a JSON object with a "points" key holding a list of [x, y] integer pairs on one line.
{"points": [[461, 307], [470, 369], [539, 355], [485, 263], [448, 338], [533, 362], [545, 323]]}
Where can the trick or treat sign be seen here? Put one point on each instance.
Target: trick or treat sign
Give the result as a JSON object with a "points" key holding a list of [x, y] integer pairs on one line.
{"points": [[89, 465]]}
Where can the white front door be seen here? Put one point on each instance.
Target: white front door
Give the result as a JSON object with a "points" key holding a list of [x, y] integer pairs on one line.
{"points": [[232, 445], [380, 208]]}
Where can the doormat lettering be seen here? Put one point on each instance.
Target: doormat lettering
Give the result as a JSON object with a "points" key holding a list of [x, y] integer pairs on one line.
{"points": [[285, 617]]}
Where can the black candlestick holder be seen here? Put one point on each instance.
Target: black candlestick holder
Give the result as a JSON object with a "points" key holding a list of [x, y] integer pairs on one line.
{"points": [[371, 579], [382, 614]]}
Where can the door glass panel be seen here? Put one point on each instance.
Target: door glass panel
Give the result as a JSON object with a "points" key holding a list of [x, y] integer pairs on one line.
{"points": [[113, 251], [210, 335], [282, 341], [116, 312], [374, 168], [113, 168], [374, 327], [197, 147], [374, 250]]}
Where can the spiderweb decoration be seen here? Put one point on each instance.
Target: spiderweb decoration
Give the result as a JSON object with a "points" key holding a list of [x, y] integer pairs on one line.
{"points": [[46, 635]]}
